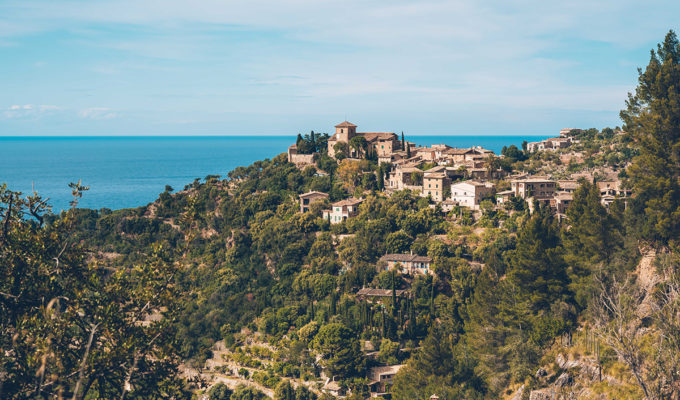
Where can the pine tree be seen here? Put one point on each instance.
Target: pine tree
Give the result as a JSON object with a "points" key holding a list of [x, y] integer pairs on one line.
{"points": [[652, 119], [536, 265]]}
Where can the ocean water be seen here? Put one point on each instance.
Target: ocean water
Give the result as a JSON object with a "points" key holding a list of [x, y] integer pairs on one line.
{"points": [[128, 171]]}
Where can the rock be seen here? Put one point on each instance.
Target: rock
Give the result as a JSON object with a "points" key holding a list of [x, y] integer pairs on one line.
{"points": [[541, 394], [541, 373], [518, 394], [563, 363], [563, 380]]}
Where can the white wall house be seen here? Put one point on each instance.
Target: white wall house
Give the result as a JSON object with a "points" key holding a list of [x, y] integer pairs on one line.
{"points": [[469, 193]]}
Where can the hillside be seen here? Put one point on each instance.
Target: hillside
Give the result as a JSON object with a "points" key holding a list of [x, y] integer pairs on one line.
{"points": [[226, 286]]}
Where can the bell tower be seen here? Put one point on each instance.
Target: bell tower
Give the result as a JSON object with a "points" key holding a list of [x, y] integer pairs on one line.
{"points": [[345, 131]]}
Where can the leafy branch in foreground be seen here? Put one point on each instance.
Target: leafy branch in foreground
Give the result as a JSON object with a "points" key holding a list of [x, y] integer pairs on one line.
{"points": [[71, 329]]}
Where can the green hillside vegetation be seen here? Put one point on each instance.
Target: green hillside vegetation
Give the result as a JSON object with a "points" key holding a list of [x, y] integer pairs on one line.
{"points": [[108, 304]]}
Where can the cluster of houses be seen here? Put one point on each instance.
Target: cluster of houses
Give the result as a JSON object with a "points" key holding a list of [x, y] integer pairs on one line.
{"points": [[450, 176], [565, 139]]}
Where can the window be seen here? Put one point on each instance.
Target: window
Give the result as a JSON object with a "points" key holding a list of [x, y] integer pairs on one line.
{"points": [[342, 130]]}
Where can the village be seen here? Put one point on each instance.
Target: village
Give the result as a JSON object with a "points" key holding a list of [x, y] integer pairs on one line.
{"points": [[452, 177], [454, 180]]}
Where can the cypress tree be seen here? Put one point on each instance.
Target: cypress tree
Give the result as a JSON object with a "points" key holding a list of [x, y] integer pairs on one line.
{"points": [[394, 297], [403, 142], [334, 301]]}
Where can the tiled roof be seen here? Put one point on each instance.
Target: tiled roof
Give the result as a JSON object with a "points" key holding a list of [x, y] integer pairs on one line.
{"points": [[405, 258], [564, 196], [348, 202], [375, 372], [345, 124], [379, 292], [373, 136], [471, 182], [314, 193]]}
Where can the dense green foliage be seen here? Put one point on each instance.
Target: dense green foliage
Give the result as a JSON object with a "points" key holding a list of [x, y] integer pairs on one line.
{"points": [[99, 303]]}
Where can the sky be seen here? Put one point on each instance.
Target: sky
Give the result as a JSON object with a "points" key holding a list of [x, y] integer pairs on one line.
{"points": [[222, 67]]}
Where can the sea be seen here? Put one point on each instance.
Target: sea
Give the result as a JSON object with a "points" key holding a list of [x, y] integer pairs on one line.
{"points": [[131, 171]]}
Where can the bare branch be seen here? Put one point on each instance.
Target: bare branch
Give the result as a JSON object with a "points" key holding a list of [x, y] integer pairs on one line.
{"points": [[84, 363]]}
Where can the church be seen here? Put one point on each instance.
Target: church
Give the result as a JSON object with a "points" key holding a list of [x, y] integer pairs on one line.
{"points": [[384, 143]]}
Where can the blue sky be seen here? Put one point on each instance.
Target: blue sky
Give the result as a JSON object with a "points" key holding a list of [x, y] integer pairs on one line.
{"points": [[209, 67]]}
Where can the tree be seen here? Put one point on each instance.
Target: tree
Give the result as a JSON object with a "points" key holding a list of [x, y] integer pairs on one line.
{"points": [[302, 393], [244, 392], [349, 172], [398, 242], [403, 142], [359, 144], [651, 119], [339, 349], [592, 237], [536, 265], [65, 324], [284, 391], [219, 391], [341, 150]]}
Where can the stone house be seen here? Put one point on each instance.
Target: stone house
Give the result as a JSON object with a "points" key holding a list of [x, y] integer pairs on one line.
{"points": [[549, 144], [470, 193], [306, 199], [561, 202], [384, 143], [613, 188], [409, 264], [568, 132], [567, 185], [380, 379], [405, 177], [371, 294], [537, 188], [436, 184], [342, 210]]}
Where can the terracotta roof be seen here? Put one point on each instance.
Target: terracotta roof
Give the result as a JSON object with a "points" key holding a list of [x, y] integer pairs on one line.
{"points": [[534, 180], [375, 372], [405, 258], [348, 202], [471, 182], [379, 292], [564, 196], [568, 184], [456, 151], [345, 124], [314, 193], [372, 136]]}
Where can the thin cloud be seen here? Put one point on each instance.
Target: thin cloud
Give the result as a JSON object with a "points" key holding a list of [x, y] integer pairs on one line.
{"points": [[97, 113]]}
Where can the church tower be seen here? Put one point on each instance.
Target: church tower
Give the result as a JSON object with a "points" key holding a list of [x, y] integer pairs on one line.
{"points": [[345, 131]]}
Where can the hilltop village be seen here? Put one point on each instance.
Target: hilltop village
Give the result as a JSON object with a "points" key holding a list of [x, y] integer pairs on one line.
{"points": [[450, 178]]}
